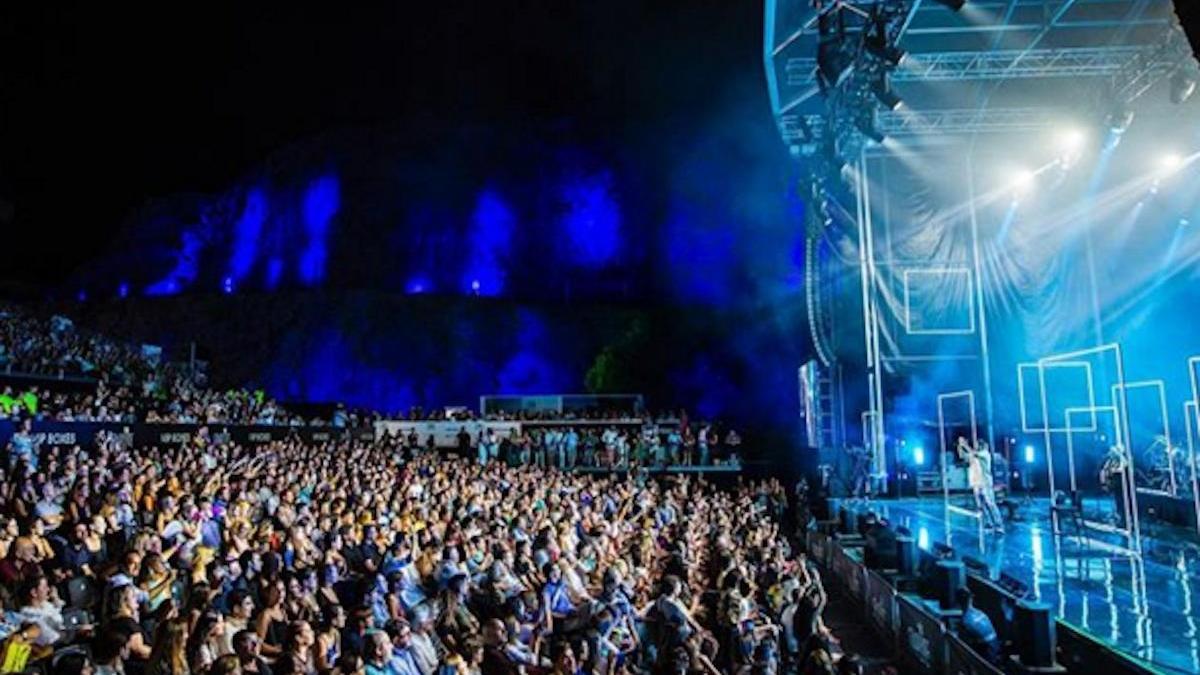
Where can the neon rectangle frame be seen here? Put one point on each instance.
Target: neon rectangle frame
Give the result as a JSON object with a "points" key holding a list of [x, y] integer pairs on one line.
{"points": [[1166, 428], [1091, 387], [949, 508], [969, 330], [1121, 413]]}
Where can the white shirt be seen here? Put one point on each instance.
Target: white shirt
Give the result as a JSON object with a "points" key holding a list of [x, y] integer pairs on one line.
{"points": [[49, 619], [979, 468]]}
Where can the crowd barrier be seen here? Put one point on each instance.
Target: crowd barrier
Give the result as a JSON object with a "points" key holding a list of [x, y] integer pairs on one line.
{"points": [[880, 602], [919, 637], [50, 433]]}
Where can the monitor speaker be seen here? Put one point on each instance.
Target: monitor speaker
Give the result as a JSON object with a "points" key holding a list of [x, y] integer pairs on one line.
{"points": [[948, 577], [1034, 634]]}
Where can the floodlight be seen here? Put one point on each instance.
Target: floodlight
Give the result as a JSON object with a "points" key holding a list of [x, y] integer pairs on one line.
{"points": [[1023, 180], [1071, 140], [886, 95], [866, 124]]}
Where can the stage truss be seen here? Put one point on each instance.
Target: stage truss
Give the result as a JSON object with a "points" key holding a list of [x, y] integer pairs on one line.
{"points": [[950, 81]]}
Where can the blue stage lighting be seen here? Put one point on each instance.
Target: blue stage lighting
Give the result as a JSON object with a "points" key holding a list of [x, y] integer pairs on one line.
{"points": [[1029, 454], [227, 285], [919, 456], [123, 290]]}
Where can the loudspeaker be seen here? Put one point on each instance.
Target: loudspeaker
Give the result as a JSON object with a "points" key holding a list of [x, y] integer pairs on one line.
{"points": [[948, 577], [1033, 631]]}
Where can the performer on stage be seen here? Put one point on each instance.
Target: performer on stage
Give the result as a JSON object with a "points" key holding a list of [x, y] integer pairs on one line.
{"points": [[1112, 478], [860, 472], [979, 477]]}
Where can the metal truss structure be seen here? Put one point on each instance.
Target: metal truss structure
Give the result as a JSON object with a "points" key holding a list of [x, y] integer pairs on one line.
{"points": [[830, 71], [997, 41], [904, 123], [1005, 64]]}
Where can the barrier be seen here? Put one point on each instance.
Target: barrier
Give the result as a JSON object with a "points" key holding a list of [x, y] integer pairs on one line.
{"points": [[59, 434], [849, 571], [962, 660], [880, 605], [922, 638]]}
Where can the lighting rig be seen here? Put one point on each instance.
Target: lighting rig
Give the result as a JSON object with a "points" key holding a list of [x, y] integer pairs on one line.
{"points": [[1171, 60], [856, 54]]}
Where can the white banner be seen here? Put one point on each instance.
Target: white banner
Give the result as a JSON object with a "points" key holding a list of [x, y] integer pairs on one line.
{"points": [[445, 433]]}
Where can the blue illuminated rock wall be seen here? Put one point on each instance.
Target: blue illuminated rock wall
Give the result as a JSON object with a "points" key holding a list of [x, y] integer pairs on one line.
{"points": [[493, 263]]}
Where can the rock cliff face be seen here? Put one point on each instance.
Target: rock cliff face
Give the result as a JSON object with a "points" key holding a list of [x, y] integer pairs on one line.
{"points": [[468, 214], [382, 268]]}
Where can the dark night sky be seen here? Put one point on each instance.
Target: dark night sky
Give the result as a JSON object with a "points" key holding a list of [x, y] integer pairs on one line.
{"points": [[103, 105]]}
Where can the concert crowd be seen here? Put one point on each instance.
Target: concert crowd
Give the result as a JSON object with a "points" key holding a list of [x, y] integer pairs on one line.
{"points": [[363, 557], [385, 556]]}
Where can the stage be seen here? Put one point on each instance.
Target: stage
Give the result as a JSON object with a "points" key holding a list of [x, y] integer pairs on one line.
{"points": [[1146, 608]]}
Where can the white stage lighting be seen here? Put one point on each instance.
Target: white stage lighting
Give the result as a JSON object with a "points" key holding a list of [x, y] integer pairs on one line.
{"points": [[1022, 180], [1170, 162], [1071, 140]]}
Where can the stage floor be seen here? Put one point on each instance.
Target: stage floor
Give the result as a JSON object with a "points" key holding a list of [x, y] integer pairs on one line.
{"points": [[1149, 609]]}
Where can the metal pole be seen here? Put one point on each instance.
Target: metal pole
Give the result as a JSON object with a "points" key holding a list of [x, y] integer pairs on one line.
{"points": [[864, 272], [984, 351]]}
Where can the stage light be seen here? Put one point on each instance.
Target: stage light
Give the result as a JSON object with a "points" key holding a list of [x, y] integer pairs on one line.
{"points": [[1071, 140], [1183, 85], [1022, 180], [82, 296], [886, 95], [952, 4], [227, 285], [1119, 119], [1029, 454], [866, 124], [475, 286], [881, 47], [123, 290], [1170, 162], [919, 456], [923, 539]]}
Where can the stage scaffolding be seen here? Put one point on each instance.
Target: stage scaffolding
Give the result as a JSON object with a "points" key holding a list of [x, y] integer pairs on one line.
{"points": [[1113, 47]]}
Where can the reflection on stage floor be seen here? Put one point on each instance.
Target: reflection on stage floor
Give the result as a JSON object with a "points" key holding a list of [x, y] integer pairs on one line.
{"points": [[1144, 607]]}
